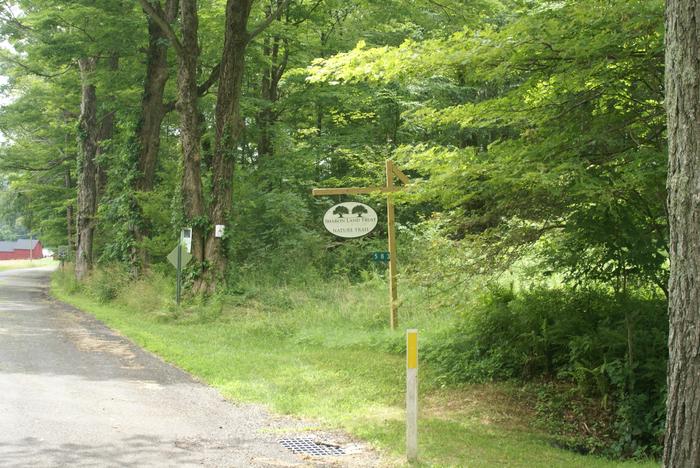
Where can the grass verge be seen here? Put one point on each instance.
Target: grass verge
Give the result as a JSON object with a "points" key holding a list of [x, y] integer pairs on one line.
{"points": [[322, 351], [21, 264]]}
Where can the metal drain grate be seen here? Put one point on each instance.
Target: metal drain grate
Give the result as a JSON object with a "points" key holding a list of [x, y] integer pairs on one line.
{"points": [[310, 447]]}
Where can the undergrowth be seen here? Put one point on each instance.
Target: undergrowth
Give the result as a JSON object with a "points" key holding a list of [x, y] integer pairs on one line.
{"points": [[597, 359], [323, 349]]}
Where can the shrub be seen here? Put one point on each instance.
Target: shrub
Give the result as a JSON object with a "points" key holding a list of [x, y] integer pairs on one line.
{"points": [[65, 277], [104, 284], [610, 347], [152, 292]]}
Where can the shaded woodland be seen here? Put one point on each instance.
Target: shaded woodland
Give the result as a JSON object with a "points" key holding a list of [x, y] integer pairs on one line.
{"points": [[534, 133]]}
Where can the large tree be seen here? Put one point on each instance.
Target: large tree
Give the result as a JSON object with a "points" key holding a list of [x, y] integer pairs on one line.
{"points": [[682, 447], [206, 247], [549, 129], [56, 44]]}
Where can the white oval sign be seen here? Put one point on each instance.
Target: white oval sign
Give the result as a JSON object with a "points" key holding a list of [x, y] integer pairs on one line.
{"points": [[350, 219]]}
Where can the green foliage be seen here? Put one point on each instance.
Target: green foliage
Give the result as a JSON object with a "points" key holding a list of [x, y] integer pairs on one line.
{"points": [[272, 231], [104, 285], [550, 123], [533, 133], [65, 280], [320, 352], [610, 347]]}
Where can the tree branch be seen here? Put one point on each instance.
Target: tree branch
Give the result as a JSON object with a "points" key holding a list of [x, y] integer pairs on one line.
{"points": [[201, 89], [78, 28], [9, 58], [12, 18], [279, 70], [213, 78], [268, 21], [171, 10], [305, 18], [17, 166], [163, 24]]}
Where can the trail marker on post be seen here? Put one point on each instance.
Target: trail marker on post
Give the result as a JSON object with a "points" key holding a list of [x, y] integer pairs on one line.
{"points": [[412, 395], [380, 256], [186, 239], [391, 172]]}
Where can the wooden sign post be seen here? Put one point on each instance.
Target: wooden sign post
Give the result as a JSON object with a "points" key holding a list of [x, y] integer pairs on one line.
{"points": [[391, 172]]}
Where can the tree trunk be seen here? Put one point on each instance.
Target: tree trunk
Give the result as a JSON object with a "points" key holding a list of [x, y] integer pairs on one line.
{"points": [[192, 198], [70, 212], [228, 122], [88, 130], [682, 443], [106, 132], [147, 135], [153, 109], [270, 94], [229, 126]]}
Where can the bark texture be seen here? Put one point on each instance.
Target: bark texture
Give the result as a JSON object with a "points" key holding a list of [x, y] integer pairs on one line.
{"points": [[269, 92], [682, 442], [207, 249], [70, 212], [147, 134], [229, 128], [105, 133], [88, 133], [188, 58], [153, 107]]}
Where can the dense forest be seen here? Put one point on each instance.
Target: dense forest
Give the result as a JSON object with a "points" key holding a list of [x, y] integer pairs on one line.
{"points": [[533, 133]]}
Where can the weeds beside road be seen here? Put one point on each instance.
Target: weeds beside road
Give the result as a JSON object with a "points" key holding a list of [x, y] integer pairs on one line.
{"points": [[323, 351], [21, 264]]}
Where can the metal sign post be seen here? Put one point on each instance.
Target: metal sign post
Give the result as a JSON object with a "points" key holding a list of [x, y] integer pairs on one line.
{"points": [[179, 257], [391, 172], [178, 287], [62, 255]]}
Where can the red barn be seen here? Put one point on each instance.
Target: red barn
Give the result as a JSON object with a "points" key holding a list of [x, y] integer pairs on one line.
{"points": [[22, 249]]}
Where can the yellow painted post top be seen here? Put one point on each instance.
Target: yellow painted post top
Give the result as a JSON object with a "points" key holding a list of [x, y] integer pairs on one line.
{"points": [[412, 349]]}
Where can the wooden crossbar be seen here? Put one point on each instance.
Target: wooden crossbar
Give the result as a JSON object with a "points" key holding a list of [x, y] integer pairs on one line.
{"points": [[402, 177], [317, 192], [391, 172]]}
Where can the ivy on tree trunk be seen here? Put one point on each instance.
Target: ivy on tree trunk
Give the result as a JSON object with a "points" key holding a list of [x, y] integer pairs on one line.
{"points": [[188, 59], [88, 130]]}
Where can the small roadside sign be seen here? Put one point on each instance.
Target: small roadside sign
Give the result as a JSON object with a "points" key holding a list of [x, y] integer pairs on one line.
{"points": [[62, 253], [179, 257], [186, 238], [380, 256], [184, 259]]}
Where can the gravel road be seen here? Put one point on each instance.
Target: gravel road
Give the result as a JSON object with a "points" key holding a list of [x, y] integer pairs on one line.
{"points": [[74, 393]]}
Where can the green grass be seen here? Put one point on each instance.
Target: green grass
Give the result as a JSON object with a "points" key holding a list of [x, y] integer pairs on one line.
{"points": [[323, 351], [20, 264]]}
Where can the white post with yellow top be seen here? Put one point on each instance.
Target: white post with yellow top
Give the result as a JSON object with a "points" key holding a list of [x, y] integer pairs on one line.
{"points": [[412, 395]]}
